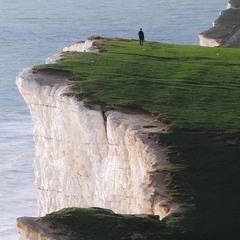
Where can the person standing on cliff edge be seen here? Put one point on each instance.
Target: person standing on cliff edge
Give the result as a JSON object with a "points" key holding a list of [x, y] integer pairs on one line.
{"points": [[141, 37]]}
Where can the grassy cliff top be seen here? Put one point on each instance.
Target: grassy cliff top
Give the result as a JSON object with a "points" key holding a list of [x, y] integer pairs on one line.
{"points": [[198, 89], [192, 86]]}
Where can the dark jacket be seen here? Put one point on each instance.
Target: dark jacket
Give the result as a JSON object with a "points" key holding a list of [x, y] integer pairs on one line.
{"points": [[141, 35]]}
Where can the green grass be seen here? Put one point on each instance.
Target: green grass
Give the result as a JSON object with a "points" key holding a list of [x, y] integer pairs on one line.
{"points": [[193, 86], [212, 170], [92, 223], [198, 89]]}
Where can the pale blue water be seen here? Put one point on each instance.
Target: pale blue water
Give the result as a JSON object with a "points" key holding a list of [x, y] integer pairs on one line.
{"points": [[33, 30]]}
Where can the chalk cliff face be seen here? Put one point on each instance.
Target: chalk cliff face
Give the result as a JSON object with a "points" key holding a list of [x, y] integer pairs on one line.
{"points": [[88, 157], [225, 30]]}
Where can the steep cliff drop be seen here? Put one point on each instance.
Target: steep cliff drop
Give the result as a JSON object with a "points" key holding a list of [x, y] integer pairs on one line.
{"points": [[225, 30], [91, 157]]}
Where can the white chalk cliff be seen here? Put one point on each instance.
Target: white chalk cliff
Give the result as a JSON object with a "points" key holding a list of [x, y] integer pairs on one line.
{"points": [[88, 157]]}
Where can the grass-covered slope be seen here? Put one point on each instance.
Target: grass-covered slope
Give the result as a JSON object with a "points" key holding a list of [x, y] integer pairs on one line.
{"points": [[198, 89]]}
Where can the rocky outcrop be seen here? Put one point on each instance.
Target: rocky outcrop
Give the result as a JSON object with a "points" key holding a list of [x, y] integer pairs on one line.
{"points": [[41, 229], [92, 224], [226, 28], [82, 46]]}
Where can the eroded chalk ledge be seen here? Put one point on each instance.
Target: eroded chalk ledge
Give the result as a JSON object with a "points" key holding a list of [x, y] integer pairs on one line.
{"points": [[93, 223]]}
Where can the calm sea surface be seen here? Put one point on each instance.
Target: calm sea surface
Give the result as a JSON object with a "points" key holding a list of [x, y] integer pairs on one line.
{"points": [[31, 31]]}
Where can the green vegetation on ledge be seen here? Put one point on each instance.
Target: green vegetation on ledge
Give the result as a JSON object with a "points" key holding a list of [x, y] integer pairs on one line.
{"points": [[198, 89], [102, 224]]}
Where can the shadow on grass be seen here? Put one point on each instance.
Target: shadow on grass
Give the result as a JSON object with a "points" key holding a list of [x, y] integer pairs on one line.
{"points": [[212, 161]]}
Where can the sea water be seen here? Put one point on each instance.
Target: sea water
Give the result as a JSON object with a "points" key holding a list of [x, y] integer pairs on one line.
{"points": [[31, 31]]}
